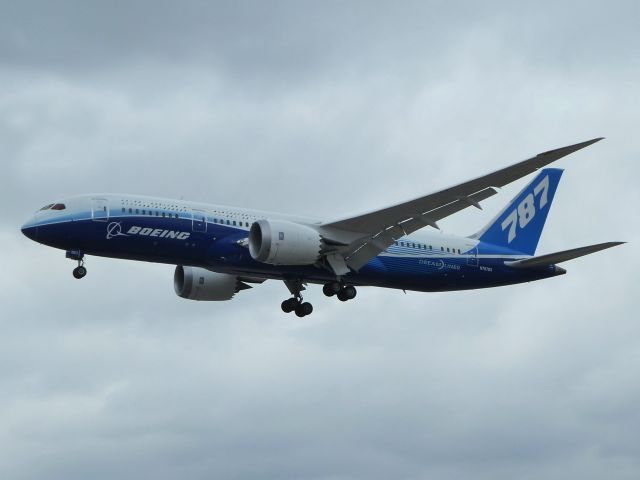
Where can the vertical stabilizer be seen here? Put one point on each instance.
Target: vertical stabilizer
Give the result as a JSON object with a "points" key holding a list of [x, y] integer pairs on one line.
{"points": [[519, 225]]}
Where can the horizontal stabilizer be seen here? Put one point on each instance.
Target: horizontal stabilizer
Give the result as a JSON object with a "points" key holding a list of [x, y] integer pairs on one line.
{"points": [[558, 257]]}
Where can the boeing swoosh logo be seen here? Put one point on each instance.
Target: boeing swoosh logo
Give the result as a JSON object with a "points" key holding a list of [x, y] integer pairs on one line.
{"points": [[114, 229]]}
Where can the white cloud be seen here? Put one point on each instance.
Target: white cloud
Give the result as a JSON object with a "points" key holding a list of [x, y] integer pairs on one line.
{"points": [[348, 109]]}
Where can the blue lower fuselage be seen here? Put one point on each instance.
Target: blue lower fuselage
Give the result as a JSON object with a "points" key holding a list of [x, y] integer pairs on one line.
{"points": [[222, 248]]}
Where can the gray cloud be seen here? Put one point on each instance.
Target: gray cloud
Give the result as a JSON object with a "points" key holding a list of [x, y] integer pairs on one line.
{"points": [[325, 109]]}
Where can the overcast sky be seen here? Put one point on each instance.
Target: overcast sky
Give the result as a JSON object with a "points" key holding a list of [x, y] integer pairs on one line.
{"points": [[319, 108]]}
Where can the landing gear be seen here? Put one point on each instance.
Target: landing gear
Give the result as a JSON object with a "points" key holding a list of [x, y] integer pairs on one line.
{"points": [[296, 304], [343, 292], [80, 271], [301, 308]]}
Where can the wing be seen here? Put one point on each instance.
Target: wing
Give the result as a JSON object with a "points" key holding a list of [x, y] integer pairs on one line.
{"points": [[352, 242]]}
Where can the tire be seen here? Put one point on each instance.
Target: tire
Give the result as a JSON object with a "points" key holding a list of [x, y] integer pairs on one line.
{"points": [[79, 272], [331, 288], [300, 311], [307, 308], [285, 306], [350, 292], [342, 296], [289, 305]]}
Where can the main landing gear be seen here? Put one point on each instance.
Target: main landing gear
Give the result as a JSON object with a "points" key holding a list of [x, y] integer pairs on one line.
{"points": [[296, 304], [301, 308], [343, 292], [80, 271]]}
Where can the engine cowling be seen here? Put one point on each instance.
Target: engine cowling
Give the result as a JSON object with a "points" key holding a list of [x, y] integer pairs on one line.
{"points": [[279, 242], [201, 284]]}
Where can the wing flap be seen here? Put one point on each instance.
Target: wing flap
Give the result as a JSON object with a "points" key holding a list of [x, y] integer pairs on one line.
{"points": [[364, 249], [558, 257]]}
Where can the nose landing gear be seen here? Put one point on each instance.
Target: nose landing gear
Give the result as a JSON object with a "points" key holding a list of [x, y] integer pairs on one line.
{"points": [[80, 271]]}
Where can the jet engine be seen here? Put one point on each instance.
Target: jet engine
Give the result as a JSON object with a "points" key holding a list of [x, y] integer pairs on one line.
{"points": [[279, 242], [201, 284]]}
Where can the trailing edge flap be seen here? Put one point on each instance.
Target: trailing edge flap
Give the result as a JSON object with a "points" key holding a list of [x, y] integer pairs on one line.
{"points": [[558, 257]]}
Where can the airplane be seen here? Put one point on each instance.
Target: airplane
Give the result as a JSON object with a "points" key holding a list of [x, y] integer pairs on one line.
{"points": [[219, 251]]}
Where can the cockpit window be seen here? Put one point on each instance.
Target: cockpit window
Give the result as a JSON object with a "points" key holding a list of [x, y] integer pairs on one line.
{"points": [[58, 206], [47, 207]]}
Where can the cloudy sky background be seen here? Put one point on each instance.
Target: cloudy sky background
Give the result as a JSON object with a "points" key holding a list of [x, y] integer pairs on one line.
{"points": [[322, 108]]}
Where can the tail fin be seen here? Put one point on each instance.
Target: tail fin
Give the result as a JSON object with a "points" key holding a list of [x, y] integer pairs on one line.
{"points": [[519, 225]]}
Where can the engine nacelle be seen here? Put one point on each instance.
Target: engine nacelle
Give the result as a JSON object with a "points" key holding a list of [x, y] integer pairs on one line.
{"points": [[201, 284], [279, 242]]}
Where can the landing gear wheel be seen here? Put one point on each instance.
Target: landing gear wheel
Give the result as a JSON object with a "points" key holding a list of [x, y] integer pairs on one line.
{"points": [[289, 305], [350, 292], [347, 293], [304, 309], [79, 272], [331, 288]]}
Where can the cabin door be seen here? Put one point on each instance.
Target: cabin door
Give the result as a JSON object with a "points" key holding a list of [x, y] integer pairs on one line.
{"points": [[99, 209]]}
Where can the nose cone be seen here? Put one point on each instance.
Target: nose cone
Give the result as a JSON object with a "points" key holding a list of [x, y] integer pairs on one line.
{"points": [[30, 231]]}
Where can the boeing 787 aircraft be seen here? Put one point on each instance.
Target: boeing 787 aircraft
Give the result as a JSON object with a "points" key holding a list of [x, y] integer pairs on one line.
{"points": [[219, 251]]}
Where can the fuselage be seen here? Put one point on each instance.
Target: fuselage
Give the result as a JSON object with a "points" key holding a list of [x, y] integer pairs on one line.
{"points": [[215, 237]]}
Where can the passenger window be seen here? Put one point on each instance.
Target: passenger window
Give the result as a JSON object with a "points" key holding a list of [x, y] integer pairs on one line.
{"points": [[163, 214], [137, 211], [122, 209], [130, 211], [234, 223], [442, 248], [144, 212]]}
